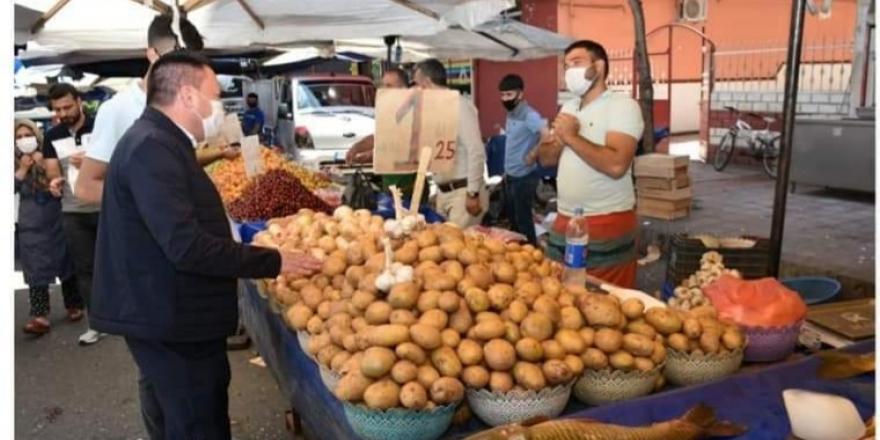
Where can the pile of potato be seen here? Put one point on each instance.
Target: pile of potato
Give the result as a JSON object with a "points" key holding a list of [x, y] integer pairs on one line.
{"points": [[701, 333], [690, 293]]}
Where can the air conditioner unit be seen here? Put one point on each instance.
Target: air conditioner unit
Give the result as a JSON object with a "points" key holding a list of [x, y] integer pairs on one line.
{"points": [[693, 10]]}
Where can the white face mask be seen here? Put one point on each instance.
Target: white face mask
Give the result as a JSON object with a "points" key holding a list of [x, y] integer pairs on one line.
{"points": [[213, 123], [576, 80], [26, 145]]}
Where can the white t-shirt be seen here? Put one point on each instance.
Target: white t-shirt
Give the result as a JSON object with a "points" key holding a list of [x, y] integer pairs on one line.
{"points": [[581, 186], [114, 118]]}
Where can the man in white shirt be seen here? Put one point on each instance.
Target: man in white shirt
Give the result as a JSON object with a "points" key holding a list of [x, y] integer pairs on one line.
{"points": [[463, 196], [596, 135]]}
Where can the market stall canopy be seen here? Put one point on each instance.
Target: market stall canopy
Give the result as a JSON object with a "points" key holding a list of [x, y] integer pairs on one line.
{"points": [[24, 19], [120, 25]]}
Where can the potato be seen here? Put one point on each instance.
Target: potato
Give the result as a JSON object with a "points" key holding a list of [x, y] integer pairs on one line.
{"points": [[404, 295], [431, 253], [489, 329], [453, 269], [517, 311], [499, 354], [311, 296], [411, 352], [529, 289], [446, 362], [351, 387], [349, 342], [435, 318], [426, 238], [529, 349], [469, 352], [632, 308], [424, 267], [377, 362], [426, 336], [468, 256], [732, 339], [383, 394], [447, 390], [537, 325], [480, 274], [475, 376], [450, 338], [324, 310], [588, 334], [678, 342], [465, 284], [641, 327], [599, 310], [659, 354], [368, 283], [461, 320], [298, 315], [566, 300], [557, 372], [529, 376], [621, 360], [388, 335], [449, 301], [334, 266], [552, 349], [362, 299], [548, 306], [511, 332], [551, 287], [404, 371], [710, 342], [451, 249], [500, 381], [477, 299], [358, 324], [427, 375], [378, 312], [413, 396], [407, 254], [428, 300], [315, 325], [705, 311], [643, 364], [638, 345], [403, 317], [354, 273], [570, 318], [326, 354], [504, 272], [664, 321], [435, 279], [595, 359], [575, 364], [487, 316], [338, 333], [692, 328], [570, 341], [710, 325], [500, 296], [608, 340]]}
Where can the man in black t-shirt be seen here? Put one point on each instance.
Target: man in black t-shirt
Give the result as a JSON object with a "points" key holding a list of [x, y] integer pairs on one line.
{"points": [[80, 219]]}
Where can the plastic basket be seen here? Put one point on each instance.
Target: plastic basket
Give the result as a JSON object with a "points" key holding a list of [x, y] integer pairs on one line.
{"points": [[685, 254], [598, 387], [691, 369], [771, 344], [516, 406], [813, 290], [398, 423]]}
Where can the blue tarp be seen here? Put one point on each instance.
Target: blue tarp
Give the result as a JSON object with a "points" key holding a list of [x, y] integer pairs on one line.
{"points": [[753, 399]]}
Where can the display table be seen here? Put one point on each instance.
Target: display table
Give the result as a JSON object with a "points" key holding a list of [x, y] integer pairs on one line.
{"points": [[753, 398]]}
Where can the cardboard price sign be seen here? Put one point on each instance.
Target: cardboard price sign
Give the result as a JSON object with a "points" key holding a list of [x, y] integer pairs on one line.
{"points": [[409, 119], [250, 152]]}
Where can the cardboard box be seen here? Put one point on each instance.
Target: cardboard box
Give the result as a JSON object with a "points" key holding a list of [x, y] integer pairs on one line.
{"points": [[662, 213], [671, 195], [682, 180], [660, 165], [663, 205]]}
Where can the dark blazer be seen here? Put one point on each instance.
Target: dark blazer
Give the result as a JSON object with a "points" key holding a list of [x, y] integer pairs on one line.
{"points": [[166, 266]]}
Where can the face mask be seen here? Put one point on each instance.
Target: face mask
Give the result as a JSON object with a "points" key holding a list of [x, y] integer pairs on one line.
{"points": [[576, 81], [510, 104], [26, 145], [212, 124]]}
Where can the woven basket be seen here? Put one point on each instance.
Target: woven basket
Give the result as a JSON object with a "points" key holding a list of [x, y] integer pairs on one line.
{"points": [[598, 387], [771, 344], [398, 423], [515, 406], [691, 369]]}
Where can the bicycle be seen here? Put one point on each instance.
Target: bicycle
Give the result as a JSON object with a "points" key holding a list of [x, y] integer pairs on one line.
{"points": [[762, 143]]}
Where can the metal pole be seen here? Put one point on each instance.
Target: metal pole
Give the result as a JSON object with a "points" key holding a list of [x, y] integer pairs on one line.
{"points": [[792, 77]]}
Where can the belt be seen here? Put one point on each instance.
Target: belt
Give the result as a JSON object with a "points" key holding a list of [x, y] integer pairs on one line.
{"points": [[452, 185]]}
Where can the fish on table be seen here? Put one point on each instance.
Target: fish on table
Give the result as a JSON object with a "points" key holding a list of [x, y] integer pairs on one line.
{"points": [[698, 423], [838, 365]]}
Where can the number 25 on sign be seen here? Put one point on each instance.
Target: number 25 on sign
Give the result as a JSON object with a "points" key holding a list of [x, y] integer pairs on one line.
{"points": [[408, 119]]}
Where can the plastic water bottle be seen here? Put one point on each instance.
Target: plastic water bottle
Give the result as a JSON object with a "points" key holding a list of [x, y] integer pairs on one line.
{"points": [[576, 239]]}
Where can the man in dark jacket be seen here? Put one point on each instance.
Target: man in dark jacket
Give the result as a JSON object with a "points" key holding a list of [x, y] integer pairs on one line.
{"points": [[166, 264]]}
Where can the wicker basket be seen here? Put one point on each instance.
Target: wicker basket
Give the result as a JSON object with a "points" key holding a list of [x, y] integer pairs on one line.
{"points": [[598, 387], [515, 406], [771, 344], [691, 369], [398, 423]]}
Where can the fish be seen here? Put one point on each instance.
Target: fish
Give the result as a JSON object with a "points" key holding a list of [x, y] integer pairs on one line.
{"points": [[840, 365], [698, 423]]}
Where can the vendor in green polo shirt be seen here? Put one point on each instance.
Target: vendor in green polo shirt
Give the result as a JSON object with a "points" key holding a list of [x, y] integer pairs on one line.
{"points": [[362, 151]]}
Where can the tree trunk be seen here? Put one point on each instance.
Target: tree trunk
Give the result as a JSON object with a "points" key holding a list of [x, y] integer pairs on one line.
{"points": [[646, 86]]}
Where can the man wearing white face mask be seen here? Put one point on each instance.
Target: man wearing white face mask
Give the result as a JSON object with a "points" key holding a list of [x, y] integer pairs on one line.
{"points": [[595, 139], [166, 265]]}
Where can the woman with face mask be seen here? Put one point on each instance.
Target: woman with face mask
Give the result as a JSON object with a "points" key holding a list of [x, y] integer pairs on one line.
{"points": [[43, 255]]}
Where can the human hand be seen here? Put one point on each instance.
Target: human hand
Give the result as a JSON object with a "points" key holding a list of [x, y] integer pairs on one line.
{"points": [[230, 153], [298, 264], [77, 158], [38, 157], [56, 186], [473, 205], [566, 127], [26, 161]]}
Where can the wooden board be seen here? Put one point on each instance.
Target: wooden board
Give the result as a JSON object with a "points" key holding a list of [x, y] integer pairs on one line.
{"points": [[663, 205], [409, 119], [680, 181], [658, 171], [671, 195], [662, 213], [852, 319]]}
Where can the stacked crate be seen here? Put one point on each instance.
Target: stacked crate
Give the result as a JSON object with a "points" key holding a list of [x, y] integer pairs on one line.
{"points": [[663, 186]]}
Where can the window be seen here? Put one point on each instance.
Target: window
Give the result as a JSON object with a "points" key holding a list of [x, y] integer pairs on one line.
{"points": [[318, 95]]}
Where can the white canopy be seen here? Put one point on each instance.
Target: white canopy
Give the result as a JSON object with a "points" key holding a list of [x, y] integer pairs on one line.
{"points": [[88, 25]]}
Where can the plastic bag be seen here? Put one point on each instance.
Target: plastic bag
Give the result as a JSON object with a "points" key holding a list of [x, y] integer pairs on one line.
{"points": [[758, 303], [360, 194]]}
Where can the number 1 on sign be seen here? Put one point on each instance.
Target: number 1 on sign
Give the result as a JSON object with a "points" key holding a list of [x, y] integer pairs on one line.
{"points": [[445, 150]]}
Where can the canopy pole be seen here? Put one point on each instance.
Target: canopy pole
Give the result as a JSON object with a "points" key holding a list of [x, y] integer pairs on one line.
{"points": [[247, 8], [157, 6], [792, 78], [60, 4]]}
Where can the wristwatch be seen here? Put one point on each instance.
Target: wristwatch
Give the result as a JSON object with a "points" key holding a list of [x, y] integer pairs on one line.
{"points": [[472, 195]]}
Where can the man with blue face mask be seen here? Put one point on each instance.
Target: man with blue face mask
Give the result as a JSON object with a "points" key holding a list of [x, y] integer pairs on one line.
{"points": [[166, 265], [594, 142]]}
